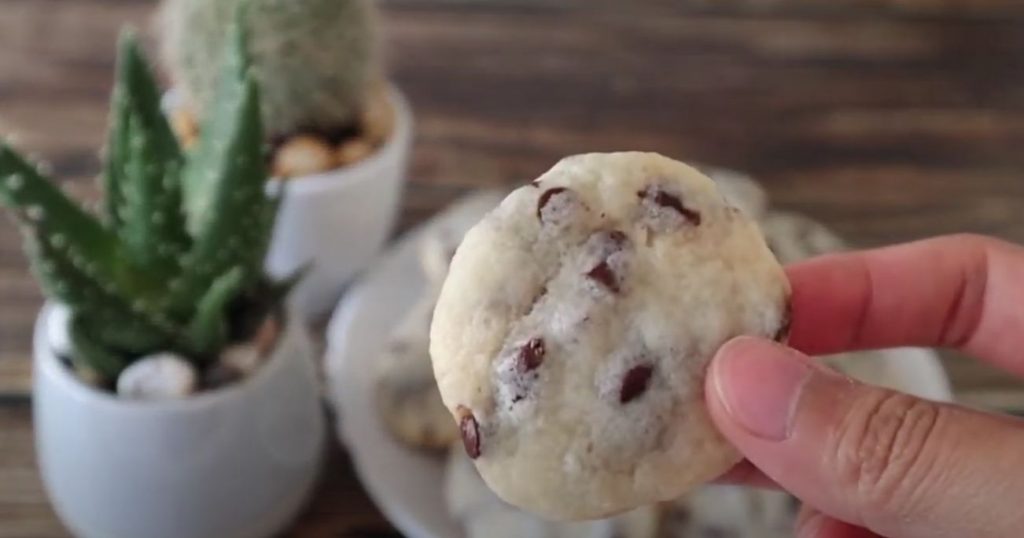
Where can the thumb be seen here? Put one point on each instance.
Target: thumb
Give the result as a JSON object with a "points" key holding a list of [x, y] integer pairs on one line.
{"points": [[897, 465]]}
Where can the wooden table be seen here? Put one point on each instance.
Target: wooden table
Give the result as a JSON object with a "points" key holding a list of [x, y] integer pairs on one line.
{"points": [[889, 120]]}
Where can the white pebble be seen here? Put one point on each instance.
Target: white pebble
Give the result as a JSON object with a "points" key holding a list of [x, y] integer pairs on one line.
{"points": [[162, 376], [243, 358], [58, 332], [301, 156]]}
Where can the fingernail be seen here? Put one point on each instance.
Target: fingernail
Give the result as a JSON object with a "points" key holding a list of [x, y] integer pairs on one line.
{"points": [[758, 383]]}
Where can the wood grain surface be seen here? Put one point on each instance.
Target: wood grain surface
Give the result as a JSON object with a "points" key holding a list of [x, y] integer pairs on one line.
{"points": [[889, 120]]}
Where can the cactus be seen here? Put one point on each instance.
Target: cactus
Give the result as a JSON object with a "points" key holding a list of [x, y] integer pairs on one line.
{"points": [[313, 59], [181, 239]]}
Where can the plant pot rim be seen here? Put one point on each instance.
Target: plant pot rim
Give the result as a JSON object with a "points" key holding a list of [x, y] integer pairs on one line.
{"points": [[342, 176], [46, 363]]}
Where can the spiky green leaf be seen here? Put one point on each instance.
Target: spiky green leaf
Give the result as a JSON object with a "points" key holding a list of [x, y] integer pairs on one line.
{"points": [[208, 330], [129, 324], [128, 331], [61, 236], [50, 219], [209, 162], [229, 213], [92, 353], [143, 190]]}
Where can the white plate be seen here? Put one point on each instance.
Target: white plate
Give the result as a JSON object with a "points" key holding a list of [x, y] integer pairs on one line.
{"points": [[407, 485]]}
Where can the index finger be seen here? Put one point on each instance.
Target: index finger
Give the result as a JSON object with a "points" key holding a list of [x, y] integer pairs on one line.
{"points": [[959, 291]]}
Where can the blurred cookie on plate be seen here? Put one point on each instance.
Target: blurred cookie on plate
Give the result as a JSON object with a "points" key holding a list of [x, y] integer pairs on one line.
{"points": [[729, 512], [436, 251], [795, 237], [643, 522], [406, 394], [407, 397], [740, 190]]}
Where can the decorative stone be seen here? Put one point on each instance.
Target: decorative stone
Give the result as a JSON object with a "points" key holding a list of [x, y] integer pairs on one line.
{"points": [[302, 156], [58, 331], [352, 151], [240, 361], [161, 376], [89, 376], [242, 358], [266, 337]]}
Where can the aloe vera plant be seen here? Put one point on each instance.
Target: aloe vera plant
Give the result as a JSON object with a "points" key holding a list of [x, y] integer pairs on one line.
{"points": [[174, 262]]}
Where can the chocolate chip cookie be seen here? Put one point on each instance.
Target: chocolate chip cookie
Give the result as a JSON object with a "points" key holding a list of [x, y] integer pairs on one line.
{"points": [[572, 333]]}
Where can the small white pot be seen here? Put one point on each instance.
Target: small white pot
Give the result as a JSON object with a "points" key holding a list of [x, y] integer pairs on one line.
{"points": [[235, 463], [338, 220]]}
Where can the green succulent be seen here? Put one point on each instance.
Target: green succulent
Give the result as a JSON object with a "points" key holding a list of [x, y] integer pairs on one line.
{"points": [[314, 59], [175, 260]]}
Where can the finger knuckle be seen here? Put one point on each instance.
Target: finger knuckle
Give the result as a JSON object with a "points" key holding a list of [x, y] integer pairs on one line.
{"points": [[881, 450]]}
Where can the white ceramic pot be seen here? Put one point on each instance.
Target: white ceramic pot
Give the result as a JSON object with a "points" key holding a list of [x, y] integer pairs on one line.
{"points": [[338, 220], [236, 462]]}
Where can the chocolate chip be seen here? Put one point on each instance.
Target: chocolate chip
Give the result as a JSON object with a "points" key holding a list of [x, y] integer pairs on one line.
{"points": [[664, 199], [607, 243], [470, 431], [605, 276], [531, 355], [635, 382], [545, 197], [782, 333], [617, 238]]}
